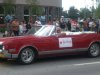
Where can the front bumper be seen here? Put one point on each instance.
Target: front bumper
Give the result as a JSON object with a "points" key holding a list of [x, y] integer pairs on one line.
{"points": [[6, 54]]}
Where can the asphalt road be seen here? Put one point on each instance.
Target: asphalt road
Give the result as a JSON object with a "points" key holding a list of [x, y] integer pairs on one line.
{"points": [[67, 65]]}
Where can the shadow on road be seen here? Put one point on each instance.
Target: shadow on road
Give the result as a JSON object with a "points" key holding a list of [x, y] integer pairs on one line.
{"points": [[45, 60]]}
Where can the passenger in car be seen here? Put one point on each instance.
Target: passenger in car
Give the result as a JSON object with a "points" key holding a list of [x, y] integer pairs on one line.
{"points": [[59, 32]]}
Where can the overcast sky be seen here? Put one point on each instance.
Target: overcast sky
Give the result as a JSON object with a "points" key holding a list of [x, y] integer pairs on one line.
{"points": [[66, 4]]}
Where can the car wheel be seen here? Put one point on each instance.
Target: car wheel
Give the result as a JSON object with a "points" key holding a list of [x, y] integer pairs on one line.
{"points": [[27, 56], [94, 50]]}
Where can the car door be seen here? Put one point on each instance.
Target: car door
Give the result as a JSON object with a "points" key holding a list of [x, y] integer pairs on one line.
{"points": [[60, 43], [71, 43], [52, 43]]}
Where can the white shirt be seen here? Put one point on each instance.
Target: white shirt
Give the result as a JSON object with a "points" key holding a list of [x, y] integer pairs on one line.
{"points": [[21, 28], [37, 23]]}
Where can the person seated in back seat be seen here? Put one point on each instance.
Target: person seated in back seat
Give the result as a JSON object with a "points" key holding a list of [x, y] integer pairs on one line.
{"points": [[58, 32]]}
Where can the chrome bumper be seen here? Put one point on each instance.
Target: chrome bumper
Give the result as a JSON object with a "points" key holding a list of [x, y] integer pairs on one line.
{"points": [[6, 54]]}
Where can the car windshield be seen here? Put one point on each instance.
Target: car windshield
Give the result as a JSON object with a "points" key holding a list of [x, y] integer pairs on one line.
{"points": [[33, 30], [45, 30]]}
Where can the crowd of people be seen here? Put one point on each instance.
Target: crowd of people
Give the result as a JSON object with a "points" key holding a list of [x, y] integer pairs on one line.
{"points": [[73, 25], [16, 27]]}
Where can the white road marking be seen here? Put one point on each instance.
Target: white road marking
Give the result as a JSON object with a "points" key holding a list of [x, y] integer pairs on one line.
{"points": [[82, 64], [75, 65]]}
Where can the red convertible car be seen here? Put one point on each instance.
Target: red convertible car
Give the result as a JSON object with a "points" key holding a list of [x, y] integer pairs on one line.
{"points": [[46, 42]]}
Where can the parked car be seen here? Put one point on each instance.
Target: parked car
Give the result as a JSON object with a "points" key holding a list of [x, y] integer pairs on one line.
{"points": [[46, 42]]}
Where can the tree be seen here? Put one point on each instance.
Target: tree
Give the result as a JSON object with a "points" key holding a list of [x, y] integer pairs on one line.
{"points": [[65, 14], [34, 8], [8, 6], [97, 11], [85, 13], [73, 13]]}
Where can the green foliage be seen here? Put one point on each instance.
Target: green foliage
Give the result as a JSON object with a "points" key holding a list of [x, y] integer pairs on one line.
{"points": [[97, 11], [73, 13], [65, 14], [9, 7], [32, 2], [35, 9], [85, 13], [2, 29], [1, 10], [26, 18]]}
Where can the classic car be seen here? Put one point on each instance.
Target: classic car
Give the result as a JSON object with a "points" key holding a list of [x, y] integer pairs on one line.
{"points": [[46, 42]]}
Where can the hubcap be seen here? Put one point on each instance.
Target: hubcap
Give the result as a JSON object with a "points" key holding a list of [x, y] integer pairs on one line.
{"points": [[94, 50], [27, 55]]}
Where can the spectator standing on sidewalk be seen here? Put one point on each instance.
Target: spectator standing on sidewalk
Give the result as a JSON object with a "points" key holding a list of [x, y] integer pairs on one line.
{"points": [[21, 28], [62, 24], [37, 22], [24, 27], [55, 22], [74, 25], [85, 25], [69, 26], [8, 20], [43, 19], [29, 26], [15, 27]]}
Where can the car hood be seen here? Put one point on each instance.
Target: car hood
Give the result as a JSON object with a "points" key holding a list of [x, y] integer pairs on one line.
{"points": [[17, 38]]}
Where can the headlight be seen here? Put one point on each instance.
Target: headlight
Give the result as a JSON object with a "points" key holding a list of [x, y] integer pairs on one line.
{"points": [[2, 46]]}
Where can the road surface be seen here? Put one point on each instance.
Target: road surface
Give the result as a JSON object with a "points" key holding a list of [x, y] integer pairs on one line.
{"points": [[67, 65]]}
